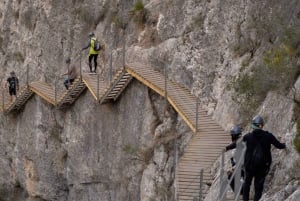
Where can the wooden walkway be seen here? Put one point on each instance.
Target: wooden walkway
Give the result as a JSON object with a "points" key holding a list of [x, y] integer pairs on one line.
{"points": [[207, 143], [204, 147]]}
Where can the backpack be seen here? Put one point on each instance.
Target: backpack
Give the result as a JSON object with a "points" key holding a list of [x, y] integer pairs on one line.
{"points": [[258, 162], [12, 82], [97, 45]]}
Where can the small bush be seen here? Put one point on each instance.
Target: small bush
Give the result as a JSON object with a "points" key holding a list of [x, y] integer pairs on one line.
{"points": [[28, 19], [138, 6], [141, 154], [119, 22], [198, 20], [130, 149], [138, 13], [297, 138], [278, 71], [85, 15], [18, 56]]}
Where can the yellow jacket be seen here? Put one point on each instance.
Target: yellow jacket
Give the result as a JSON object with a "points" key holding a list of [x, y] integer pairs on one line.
{"points": [[91, 46]]}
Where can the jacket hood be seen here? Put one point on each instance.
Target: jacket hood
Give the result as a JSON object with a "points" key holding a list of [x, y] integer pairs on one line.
{"points": [[258, 133]]}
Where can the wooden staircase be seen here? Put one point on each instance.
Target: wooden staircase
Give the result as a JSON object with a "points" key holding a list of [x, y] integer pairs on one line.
{"points": [[70, 95], [119, 83], [202, 151], [44, 90], [22, 96], [209, 138]]}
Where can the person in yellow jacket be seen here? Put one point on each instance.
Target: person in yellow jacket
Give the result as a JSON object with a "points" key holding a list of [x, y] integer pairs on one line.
{"points": [[93, 54]]}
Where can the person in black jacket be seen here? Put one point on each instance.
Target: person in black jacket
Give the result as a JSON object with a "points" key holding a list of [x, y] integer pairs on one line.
{"points": [[258, 139], [13, 85]]}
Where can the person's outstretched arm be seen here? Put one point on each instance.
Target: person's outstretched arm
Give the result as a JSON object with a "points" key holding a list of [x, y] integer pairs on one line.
{"points": [[276, 143], [87, 46]]}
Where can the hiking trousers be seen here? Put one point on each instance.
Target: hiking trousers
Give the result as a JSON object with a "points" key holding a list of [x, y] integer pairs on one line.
{"points": [[12, 91], [91, 57], [259, 181]]}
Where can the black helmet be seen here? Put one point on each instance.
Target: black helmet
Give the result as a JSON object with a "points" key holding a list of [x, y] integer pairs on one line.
{"points": [[257, 121], [236, 130], [68, 60], [91, 34]]}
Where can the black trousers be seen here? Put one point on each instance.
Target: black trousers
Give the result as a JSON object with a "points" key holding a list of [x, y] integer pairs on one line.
{"points": [[91, 57], [259, 180]]}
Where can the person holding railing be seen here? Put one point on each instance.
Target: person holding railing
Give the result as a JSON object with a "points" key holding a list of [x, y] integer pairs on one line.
{"points": [[236, 133], [71, 72], [13, 87], [93, 52], [258, 157]]}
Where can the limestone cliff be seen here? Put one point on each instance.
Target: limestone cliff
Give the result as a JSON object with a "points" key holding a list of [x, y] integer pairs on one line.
{"points": [[125, 150]]}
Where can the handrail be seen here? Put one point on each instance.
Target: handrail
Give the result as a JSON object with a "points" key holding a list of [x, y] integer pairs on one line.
{"points": [[224, 182]]}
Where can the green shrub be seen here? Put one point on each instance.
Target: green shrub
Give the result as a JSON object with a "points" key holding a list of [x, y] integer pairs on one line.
{"points": [[18, 56], [277, 71], [28, 19], [85, 15], [137, 153], [198, 20], [138, 13], [118, 21], [130, 149], [297, 138], [138, 6]]}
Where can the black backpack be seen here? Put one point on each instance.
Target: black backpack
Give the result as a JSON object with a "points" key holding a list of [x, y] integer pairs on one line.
{"points": [[13, 82], [97, 45], [258, 162]]}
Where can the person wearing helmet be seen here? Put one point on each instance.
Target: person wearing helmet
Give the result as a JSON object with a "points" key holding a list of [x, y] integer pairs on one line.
{"points": [[236, 133], [258, 157], [13, 85], [93, 54], [71, 72]]}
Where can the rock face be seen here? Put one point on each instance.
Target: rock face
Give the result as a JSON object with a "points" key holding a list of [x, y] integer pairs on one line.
{"points": [[125, 150]]}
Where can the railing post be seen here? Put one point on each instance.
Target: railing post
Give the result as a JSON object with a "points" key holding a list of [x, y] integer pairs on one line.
{"points": [[55, 92], [124, 42], [222, 183], [3, 106], [175, 165], [27, 76], [80, 65], [166, 88], [98, 81], [201, 185], [197, 117], [110, 69]]}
